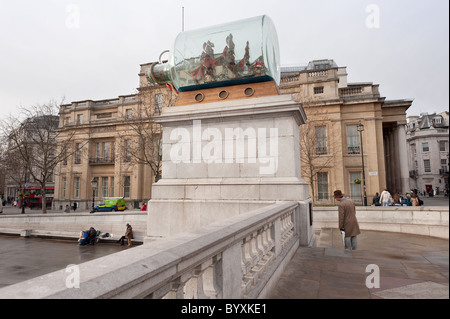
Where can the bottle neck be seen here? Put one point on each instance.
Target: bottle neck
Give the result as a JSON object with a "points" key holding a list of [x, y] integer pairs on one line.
{"points": [[159, 73]]}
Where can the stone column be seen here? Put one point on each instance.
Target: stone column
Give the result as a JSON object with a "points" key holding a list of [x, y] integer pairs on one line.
{"points": [[403, 159], [387, 159], [392, 163]]}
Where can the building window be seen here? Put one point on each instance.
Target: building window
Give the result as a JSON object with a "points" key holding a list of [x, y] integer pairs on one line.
{"points": [[127, 155], [64, 152], [442, 146], [322, 185], [321, 140], [413, 149], [318, 90], [78, 153], [77, 187], [427, 166], [106, 151], [98, 147], [352, 140], [104, 186], [80, 119], [113, 151], [444, 165], [126, 186], [111, 188], [64, 187], [355, 189], [129, 113], [425, 147], [95, 190]]}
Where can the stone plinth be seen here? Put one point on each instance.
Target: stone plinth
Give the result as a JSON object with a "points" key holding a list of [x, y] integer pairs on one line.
{"points": [[226, 158]]}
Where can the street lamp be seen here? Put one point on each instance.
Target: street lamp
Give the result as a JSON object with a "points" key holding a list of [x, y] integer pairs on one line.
{"points": [[360, 130], [94, 183]]}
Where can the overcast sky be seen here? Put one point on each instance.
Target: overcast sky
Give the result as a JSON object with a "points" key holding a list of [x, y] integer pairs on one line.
{"points": [[79, 50]]}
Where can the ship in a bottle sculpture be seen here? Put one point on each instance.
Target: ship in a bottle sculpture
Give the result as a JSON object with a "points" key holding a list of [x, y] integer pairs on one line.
{"points": [[229, 61]]}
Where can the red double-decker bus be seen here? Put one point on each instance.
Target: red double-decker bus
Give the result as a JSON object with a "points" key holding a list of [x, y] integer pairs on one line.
{"points": [[32, 197]]}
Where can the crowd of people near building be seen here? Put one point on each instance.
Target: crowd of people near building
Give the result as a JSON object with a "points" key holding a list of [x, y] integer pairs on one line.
{"points": [[398, 199]]}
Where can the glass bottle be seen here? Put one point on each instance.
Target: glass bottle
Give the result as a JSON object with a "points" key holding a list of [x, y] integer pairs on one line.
{"points": [[239, 52]]}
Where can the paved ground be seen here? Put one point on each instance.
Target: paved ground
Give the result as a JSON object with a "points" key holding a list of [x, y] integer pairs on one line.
{"points": [[410, 267], [26, 258]]}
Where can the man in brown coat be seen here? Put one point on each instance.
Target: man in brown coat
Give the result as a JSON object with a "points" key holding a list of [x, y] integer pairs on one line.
{"points": [[347, 220], [128, 236]]}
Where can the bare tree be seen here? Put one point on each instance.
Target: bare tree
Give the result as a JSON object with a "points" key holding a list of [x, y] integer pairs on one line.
{"points": [[13, 167], [33, 141], [141, 143], [316, 146]]}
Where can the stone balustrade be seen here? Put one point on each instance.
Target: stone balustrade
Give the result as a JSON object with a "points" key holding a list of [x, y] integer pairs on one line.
{"points": [[367, 90], [351, 91], [240, 257], [318, 73], [419, 220]]}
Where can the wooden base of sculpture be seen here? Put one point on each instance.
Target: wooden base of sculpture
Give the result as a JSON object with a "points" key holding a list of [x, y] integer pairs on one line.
{"points": [[235, 92]]}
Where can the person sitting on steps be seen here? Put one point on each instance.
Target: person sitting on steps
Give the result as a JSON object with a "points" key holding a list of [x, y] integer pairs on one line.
{"points": [[128, 235]]}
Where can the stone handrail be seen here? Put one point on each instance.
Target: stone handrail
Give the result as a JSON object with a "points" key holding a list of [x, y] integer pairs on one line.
{"points": [[419, 220], [241, 257]]}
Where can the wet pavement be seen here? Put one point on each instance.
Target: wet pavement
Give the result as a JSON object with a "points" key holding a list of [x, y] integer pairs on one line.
{"points": [[410, 266], [26, 258], [405, 266]]}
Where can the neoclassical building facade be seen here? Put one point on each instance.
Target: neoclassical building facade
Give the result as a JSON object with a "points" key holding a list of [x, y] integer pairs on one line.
{"points": [[428, 151], [110, 139], [334, 153], [332, 156]]}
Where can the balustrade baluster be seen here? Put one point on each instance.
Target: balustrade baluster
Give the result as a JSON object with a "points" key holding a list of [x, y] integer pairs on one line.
{"points": [[247, 277], [210, 286], [176, 292]]}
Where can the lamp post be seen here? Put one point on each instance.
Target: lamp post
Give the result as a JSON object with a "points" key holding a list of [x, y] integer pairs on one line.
{"points": [[94, 183], [360, 130]]}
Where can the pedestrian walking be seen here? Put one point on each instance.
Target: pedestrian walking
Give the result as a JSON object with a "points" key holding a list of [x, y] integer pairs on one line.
{"points": [[348, 222]]}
